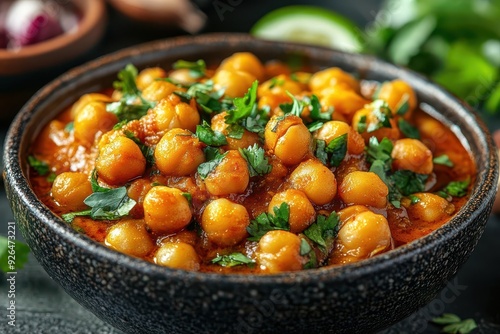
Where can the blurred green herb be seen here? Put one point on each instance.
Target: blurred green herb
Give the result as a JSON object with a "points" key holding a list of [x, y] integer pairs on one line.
{"points": [[453, 324]]}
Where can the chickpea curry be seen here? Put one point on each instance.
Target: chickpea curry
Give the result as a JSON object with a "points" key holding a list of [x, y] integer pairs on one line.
{"points": [[250, 167]]}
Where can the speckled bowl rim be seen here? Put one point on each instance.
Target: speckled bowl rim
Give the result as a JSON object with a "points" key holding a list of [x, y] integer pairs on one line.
{"points": [[485, 186]]}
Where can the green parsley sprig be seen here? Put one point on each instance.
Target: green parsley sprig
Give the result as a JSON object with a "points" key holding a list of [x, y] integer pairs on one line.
{"points": [[258, 163], [266, 222], [324, 231], [232, 260]]}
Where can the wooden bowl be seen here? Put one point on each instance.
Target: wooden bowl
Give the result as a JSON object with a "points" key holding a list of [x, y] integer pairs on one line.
{"points": [[61, 48]]}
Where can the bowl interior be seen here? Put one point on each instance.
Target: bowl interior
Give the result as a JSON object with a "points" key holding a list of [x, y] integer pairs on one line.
{"points": [[101, 73]]}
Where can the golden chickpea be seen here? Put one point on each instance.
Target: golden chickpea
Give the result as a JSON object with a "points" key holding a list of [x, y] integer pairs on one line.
{"points": [[395, 93], [288, 138], [344, 101], [225, 222], [430, 208], [412, 154], [120, 162], [130, 237], [158, 90], [248, 138], [364, 188], [70, 189], [234, 83], [349, 212], [166, 210], [171, 113], [315, 180], [362, 236], [334, 129], [92, 121], [371, 120], [178, 255], [333, 76], [279, 85], [182, 76], [178, 153], [279, 251], [86, 99], [231, 176], [149, 75], [302, 213], [245, 62]]}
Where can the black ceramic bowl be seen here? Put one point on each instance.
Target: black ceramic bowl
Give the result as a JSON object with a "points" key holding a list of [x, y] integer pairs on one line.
{"points": [[137, 296]]}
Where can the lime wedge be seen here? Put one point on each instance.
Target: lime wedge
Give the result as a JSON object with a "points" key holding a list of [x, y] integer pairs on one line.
{"points": [[309, 25]]}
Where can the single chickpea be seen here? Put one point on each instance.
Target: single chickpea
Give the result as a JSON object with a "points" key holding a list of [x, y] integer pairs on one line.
{"points": [[344, 101], [231, 176], [178, 153], [92, 121], [178, 255], [149, 75], [280, 84], [395, 93], [362, 236], [373, 128], [349, 212], [225, 222], [234, 83], [279, 251], [275, 67], [120, 162], [302, 213], [137, 191], [412, 154], [166, 210], [182, 76], [248, 138], [315, 180], [364, 188], [334, 129], [288, 138], [171, 113], [158, 90], [430, 208], [333, 76], [130, 237], [70, 189], [86, 99], [245, 62]]}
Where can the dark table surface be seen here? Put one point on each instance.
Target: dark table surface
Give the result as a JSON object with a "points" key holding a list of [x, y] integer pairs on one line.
{"points": [[43, 307]]}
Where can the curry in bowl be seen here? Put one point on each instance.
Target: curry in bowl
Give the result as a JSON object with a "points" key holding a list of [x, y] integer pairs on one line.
{"points": [[250, 167]]}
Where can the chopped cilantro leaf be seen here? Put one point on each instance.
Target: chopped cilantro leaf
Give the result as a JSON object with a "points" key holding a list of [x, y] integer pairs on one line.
{"points": [[408, 182], [276, 82], [443, 160], [41, 167], [213, 159], [408, 130], [380, 150], [453, 324], [320, 152], [243, 105], [381, 110], [403, 106], [362, 124], [189, 197], [266, 222], [258, 164], [69, 127], [231, 260], [306, 250], [51, 177], [294, 108], [414, 199], [196, 69], [126, 83], [9, 247], [457, 188], [337, 150], [316, 113], [209, 136], [323, 231]]}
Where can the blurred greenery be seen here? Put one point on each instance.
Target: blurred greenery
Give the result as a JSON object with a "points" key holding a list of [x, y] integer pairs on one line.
{"points": [[455, 42]]}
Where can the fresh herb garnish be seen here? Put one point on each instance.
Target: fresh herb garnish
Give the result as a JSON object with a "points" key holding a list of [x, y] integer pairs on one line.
{"points": [[443, 160], [131, 105], [213, 159], [320, 152], [196, 69], [306, 250], [323, 231], [243, 106], [383, 115], [105, 203], [408, 130], [454, 325], [209, 136], [232, 260], [266, 222], [13, 254], [69, 127], [317, 117], [41, 167], [403, 105], [408, 182], [258, 164], [337, 149], [380, 151], [362, 124], [414, 199], [457, 188]]}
